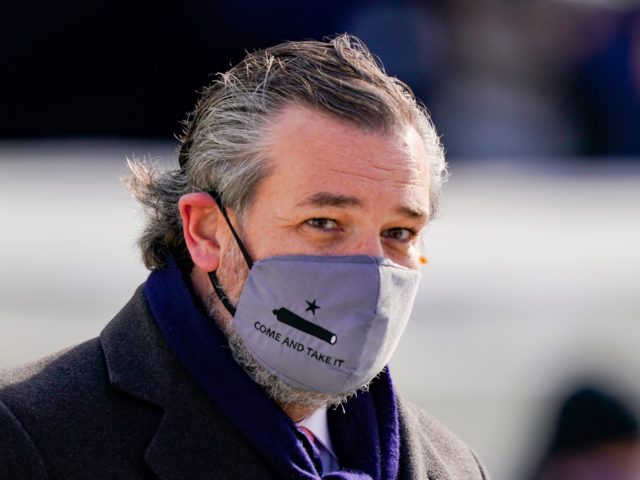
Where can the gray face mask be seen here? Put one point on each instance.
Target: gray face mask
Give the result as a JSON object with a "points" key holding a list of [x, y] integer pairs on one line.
{"points": [[327, 324], [322, 323]]}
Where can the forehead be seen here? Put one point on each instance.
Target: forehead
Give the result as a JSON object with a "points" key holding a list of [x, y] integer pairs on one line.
{"points": [[313, 152]]}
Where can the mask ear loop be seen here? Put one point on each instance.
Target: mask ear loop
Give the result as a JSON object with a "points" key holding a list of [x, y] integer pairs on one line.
{"points": [[247, 258], [218, 199]]}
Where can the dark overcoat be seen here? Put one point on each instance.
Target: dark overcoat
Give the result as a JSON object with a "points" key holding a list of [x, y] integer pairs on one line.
{"points": [[122, 406]]}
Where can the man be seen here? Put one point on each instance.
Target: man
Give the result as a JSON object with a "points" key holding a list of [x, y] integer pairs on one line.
{"points": [[284, 254]]}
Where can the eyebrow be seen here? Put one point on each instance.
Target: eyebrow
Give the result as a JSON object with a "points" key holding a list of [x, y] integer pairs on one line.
{"points": [[327, 199], [412, 213]]}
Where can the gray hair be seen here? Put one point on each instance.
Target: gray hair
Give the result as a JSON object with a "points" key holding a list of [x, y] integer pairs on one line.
{"points": [[223, 147]]}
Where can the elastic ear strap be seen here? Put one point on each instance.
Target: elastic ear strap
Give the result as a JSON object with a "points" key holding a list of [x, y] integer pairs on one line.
{"points": [[221, 295], [247, 258]]}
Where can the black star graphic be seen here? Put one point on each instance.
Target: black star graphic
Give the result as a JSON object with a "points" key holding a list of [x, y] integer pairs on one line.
{"points": [[311, 306]]}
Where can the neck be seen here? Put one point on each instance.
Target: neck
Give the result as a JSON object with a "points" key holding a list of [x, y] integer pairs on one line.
{"points": [[201, 283], [297, 413]]}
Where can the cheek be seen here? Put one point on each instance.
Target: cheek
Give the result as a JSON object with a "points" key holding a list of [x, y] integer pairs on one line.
{"points": [[409, 258], [266, 239], [233, 271]]}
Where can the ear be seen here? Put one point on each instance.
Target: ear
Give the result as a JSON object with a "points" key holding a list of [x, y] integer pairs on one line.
{"points": [[201, 221]]}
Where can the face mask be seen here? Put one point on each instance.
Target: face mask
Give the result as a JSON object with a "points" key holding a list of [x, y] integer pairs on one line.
{"points": [[322, 323]]}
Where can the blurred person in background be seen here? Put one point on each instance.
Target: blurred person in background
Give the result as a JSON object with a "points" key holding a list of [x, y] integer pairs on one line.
{"points": [[607, 89], [284, 256], [596, 437]]}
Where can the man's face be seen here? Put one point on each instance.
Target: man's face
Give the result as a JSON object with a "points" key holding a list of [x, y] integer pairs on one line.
{"points": [[336, 189], [333, 190]]}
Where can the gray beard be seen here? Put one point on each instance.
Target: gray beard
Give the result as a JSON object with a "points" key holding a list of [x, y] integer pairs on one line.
{"points": [[232, 275], [281, 392]]}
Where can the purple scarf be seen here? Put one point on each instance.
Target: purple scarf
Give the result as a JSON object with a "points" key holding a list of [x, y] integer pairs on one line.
{"points": [[365, 435]]}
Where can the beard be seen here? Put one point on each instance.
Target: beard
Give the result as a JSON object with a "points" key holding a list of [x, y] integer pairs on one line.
{"points": [[232, 274]]}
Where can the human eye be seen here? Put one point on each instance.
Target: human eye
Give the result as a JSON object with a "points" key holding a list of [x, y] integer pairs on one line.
{"points": [[400, 234], [322, 223]]}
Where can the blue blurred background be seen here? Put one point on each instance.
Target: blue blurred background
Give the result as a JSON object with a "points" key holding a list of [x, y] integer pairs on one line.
{"points": [[525, 78], [534, 281]]}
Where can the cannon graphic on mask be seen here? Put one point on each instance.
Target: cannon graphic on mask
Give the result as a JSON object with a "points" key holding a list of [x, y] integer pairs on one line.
{"points": [[288, 317]]}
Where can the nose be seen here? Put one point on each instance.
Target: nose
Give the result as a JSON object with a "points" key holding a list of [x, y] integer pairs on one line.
{"points": [[365, 243]]}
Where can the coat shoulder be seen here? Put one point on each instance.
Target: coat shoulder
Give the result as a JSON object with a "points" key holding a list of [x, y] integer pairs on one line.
{"points": [[52, 367], [434, 450], [65, 411], [35, 402]]}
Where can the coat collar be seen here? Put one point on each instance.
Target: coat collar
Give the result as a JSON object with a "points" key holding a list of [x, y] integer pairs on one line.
{"points": [[138, 360], [194, 439]]}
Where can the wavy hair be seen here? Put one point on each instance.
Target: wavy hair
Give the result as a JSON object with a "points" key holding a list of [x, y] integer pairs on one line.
{"points": [[223, 145]]}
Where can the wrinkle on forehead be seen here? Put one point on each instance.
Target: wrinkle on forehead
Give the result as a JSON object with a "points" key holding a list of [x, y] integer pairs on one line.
{"points": [[400, 181], [322, 151]]}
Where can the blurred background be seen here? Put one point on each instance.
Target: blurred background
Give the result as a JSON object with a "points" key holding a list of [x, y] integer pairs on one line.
{"points": [[532, 293]]}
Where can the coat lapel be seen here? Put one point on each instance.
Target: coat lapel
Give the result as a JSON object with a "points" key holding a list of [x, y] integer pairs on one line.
{"points": [[430, 452], [194, 440]]}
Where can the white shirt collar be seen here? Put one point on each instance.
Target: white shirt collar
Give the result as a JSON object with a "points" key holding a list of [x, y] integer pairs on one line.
{"points": [[317, 424]]}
